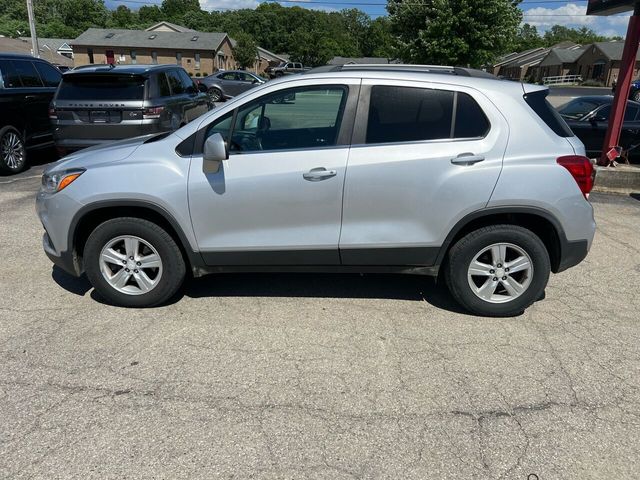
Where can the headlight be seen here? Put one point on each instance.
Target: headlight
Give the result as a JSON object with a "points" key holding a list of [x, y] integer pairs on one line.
{"points": [[55, 181]]}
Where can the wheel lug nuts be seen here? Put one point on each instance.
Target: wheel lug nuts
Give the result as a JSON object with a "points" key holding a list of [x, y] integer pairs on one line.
{"points": [[492, 271], [135, 271], [124, 261], [127, 270], [506, 269], [499, 265], [130, 258], [138, 263], [504, 278], [495, 279]]}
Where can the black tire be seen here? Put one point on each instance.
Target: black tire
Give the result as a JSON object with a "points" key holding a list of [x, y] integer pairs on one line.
{"points": [[13, 155], [464, 251], [173, 265], [215, 94], [636, 96]]}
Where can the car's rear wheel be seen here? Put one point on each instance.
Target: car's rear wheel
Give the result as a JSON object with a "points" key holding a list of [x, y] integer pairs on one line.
{"points": [[215, 94], [13, 155], [132, 262], [498, 270]]}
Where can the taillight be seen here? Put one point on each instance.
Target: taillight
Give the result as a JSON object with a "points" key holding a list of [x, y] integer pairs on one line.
{"points": [[581, 169], [53, 115], [152, 112]]}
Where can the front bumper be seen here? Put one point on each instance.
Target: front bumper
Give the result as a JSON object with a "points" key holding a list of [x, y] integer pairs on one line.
{"points": [[67, 261]]}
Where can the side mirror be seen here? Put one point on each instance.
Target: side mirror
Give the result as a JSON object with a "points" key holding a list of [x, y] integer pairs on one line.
{"points": [[202, 88], [214, 152]]}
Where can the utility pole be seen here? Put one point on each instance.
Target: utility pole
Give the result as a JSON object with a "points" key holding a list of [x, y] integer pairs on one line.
{"points": [[32, 29]]}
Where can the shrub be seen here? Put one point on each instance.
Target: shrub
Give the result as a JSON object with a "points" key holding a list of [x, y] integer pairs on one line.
{"points": [[593, 83], [197, 74], [190, 74], [205, 74]]}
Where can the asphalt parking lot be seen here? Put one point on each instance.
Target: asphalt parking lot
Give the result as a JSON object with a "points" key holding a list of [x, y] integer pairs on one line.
{"points": [[318, 376]]}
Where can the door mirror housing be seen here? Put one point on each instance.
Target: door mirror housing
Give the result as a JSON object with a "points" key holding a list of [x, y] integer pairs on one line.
{"points": [[214, 152]]}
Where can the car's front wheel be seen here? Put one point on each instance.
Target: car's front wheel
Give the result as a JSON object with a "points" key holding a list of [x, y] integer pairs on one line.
{"points": [[13, 155], [636, 96], [498, 270], [132, 262]]}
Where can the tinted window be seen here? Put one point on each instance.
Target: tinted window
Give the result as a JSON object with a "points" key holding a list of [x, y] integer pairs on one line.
{"points": [[578, 108], [471, 122], [227, 76], [177, 88], [539, 104], [405, 114], [291, 119], [28, 73], [159, 86], [187, 83], [49, 75], [630, 113], [101, 87], [10, 77]]}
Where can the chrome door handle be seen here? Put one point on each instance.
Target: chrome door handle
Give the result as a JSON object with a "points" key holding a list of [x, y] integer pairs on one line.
{"points": [[467, 159], [320, 173]]}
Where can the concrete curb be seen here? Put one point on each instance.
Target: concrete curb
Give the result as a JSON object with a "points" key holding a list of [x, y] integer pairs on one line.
{"points": [[620, 179]]}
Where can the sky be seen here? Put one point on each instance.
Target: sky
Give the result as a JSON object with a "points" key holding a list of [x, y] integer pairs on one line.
{"points": [[541, 13]]}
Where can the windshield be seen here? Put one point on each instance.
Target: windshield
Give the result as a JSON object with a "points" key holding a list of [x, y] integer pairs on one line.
{"points": [[101, 87], [578, 108]]}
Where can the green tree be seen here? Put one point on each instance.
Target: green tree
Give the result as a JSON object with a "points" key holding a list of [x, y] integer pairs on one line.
{"points": [[458, 32], [175, 9], [583, 36], [149, 14], [527, 38], [245, 51], [123, 17]]}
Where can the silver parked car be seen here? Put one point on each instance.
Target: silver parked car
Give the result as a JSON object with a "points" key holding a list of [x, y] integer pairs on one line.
{"points": [[358, 169], [102, 103], [230, 83]]}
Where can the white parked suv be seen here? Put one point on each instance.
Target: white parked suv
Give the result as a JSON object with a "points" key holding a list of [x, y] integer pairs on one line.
{"points": [[407, 169]]}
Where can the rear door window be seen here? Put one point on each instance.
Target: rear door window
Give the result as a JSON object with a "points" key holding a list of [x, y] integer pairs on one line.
{"points": [[28, 73], [187, 83], [101, 87], [177, 87], [406, 114], [49, 75]]}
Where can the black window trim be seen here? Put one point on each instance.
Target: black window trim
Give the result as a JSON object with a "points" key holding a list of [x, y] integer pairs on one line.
{"points": [[194, 144], [359, 138]]}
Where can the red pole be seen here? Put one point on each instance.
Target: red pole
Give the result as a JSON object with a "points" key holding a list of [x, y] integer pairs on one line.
{"points": [[612, 137]]}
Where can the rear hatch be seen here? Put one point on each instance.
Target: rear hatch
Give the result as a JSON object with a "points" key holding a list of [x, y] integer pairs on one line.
{"points": [[98, 105]]}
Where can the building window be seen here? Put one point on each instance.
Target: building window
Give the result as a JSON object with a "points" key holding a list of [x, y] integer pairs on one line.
{"points": [[179, 58], [122, 58], [90, 54], [133, 57], [154, 57], [197, 58]]}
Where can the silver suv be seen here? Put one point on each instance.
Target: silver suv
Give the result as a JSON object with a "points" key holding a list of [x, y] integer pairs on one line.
{"points": [[400, 169]]}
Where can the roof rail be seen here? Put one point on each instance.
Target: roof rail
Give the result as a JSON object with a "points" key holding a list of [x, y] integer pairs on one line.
{"points": [[460, 71]]}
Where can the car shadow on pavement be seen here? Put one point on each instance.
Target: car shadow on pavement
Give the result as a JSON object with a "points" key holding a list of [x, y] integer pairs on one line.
{"points": [[381, 286], [297, 285], [76, 285]]}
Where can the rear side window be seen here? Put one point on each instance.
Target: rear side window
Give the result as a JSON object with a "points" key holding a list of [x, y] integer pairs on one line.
{"points": [[405, 114], [101, 87], [186, 80], [471, 122], [10, 77], [159, 86], [28, 73], [539, 104], [49, 75]]}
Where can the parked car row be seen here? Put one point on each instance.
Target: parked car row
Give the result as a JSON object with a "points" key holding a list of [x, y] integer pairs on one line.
{"points": [[96, 104]]}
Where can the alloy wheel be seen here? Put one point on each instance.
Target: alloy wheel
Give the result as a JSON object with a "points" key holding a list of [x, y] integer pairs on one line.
{"points": [[12, 150], [500, 273], [215, 95], [130, 265]]}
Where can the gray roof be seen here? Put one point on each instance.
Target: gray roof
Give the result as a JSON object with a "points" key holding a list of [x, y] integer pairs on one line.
{"points": [[173, 26], [114, 37], [52, 43], [266, 54], [16, 45], [612, 50], [560, 56], [359, 60]]}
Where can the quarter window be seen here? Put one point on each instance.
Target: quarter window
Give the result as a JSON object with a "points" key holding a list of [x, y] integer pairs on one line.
{"points": [[159, 86], [177, 88], [471, 122], [49, 75]]}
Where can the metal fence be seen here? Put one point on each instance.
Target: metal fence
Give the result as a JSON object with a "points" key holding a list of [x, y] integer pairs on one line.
{"points": [[563, 80]]}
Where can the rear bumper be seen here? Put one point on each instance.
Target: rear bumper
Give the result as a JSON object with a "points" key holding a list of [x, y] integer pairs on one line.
{"points": [[75, 137], [572, 253]]}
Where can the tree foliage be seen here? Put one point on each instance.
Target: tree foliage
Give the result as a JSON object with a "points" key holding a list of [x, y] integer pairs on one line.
{"points": [[245, 50], [453, 32]]}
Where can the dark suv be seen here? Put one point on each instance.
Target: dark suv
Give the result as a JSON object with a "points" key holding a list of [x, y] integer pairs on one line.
{"points": [[27, 85], [100, 104]]}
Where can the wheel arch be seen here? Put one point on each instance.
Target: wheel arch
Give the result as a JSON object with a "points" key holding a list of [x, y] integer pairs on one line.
{"points": [[541, 222], [93, 214]]}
